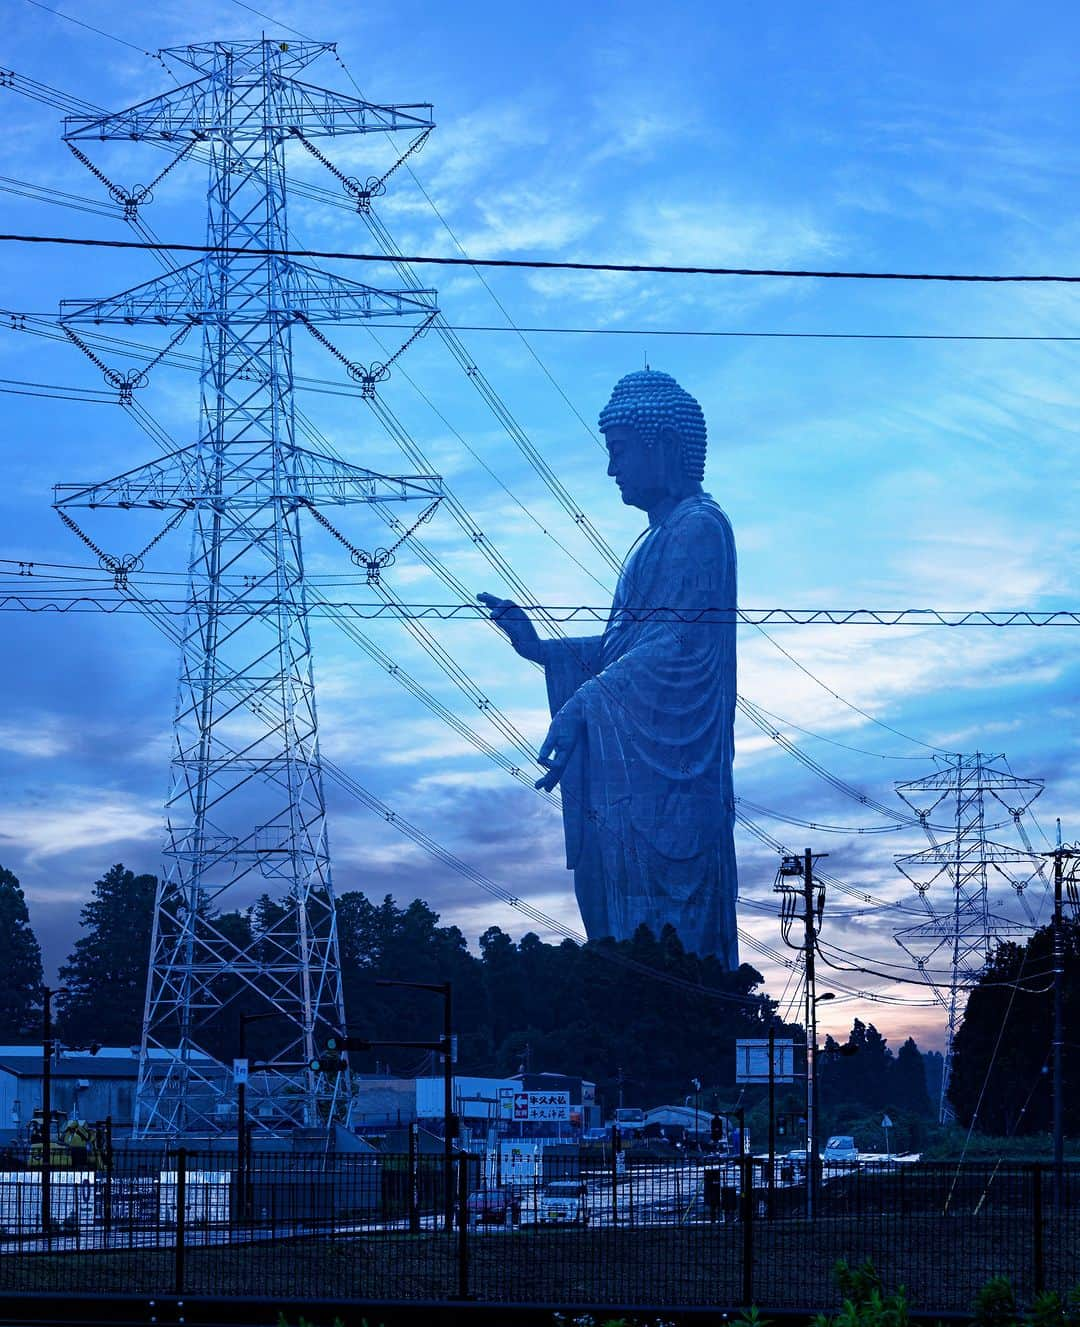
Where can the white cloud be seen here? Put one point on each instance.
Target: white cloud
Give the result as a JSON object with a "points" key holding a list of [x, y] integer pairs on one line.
{"points": [[63, 820], [37, 738]]}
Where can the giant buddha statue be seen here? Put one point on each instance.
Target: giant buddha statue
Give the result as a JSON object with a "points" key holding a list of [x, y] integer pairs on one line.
{"points": [[641, 739]]}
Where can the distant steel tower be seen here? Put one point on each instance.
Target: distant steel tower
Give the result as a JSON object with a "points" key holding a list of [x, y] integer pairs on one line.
{"points": [[962, 931], [245, 809]]}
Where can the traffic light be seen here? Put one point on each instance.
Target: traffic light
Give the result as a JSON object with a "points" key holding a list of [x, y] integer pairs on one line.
{"points": [[716, 1129], [781, 1126], [330, 1061]]}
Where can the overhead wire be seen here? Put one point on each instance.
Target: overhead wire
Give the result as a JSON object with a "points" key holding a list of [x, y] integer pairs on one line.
{"points": [[56, 13], [538, 264]]}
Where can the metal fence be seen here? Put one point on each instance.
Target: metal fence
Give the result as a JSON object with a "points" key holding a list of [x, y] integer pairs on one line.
{"points": [[576, 1228]]}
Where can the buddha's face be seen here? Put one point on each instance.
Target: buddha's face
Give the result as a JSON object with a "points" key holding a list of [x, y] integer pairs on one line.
{"points": [[641, 470]]}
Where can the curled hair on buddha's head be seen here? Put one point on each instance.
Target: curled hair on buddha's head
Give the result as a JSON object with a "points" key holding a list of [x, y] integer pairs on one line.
{"points": [[649, 401]]}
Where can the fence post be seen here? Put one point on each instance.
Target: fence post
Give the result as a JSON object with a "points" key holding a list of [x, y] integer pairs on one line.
{"points": [[181, 1219], [414, 1182], [463, 1227], [107, 1197], [1038, 1275], [615, 1141], [747, 1196]]}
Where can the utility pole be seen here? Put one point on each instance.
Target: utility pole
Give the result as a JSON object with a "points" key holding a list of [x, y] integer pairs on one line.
{"points": [[1060, 855], [48, 1046], [805, 902]]}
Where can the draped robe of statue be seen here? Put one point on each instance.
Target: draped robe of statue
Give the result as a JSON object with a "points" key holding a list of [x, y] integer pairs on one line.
{"points": [[648, 803]]}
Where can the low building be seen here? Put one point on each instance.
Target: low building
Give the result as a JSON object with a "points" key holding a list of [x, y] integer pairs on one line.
{"points": [[89, 1086], [678, 1122], [548, 1106], [380, 1103]]}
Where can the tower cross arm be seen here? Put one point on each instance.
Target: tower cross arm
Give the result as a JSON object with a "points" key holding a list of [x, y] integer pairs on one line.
{"points": [[176, 297], [194, 111], [321, 296], [190, 295], [185, 478], [184, 112], [318, 112], [967, 850]]}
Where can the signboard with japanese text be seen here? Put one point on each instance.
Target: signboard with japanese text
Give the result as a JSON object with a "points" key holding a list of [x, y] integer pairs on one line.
{"points": [[542, 1106]]}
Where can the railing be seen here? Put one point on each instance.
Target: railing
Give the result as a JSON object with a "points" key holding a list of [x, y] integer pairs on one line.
{"points": [[573, 1228]]}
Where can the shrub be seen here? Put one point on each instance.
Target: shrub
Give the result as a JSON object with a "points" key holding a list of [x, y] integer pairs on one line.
{"points": [[865, 1302], [995, 1304]]}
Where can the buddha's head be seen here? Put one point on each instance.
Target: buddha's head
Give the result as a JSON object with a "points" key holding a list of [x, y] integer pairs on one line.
{"points": [[655, 435]]}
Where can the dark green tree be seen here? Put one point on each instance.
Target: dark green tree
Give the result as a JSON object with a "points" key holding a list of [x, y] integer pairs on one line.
{"points": [[908, 1090], [934, 1064], [1003, 1044], [105, 974], [643, 1010], [407, 944], [875, 1069], [20, 964]]}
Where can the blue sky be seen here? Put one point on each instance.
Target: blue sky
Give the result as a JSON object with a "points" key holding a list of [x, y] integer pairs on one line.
{"points": [[856, 472]]}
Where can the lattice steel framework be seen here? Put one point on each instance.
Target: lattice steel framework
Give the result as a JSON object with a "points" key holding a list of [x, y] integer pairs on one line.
{"points": [[965, 929], [245, 809]]}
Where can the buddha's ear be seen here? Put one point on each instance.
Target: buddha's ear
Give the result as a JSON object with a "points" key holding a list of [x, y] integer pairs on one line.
{"points": [[668, 439], [671, 446]]}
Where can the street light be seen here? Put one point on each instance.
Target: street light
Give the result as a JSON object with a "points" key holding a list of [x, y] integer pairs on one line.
{"points": [[811, 1101], [241, 1103], [444, 989]]}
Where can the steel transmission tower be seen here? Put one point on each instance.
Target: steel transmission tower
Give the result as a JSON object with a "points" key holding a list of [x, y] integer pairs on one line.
{"points": [[962, 930], [245, 811]]}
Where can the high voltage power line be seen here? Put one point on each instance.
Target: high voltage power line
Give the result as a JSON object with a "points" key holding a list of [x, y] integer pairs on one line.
{"points": [[81, 203], [542, 264]]}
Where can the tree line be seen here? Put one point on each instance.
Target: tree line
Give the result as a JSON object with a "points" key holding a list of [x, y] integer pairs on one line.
{"points": [[641, 1018]]}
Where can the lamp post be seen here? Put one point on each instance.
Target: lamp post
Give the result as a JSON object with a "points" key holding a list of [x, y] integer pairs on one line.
{"points": [[444, 989], [48, 1046], [811, 1099], [241, 1106]]}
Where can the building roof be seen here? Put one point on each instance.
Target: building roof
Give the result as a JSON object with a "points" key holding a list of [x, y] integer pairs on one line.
{"points": [[109, 1062], [685, 1116]]}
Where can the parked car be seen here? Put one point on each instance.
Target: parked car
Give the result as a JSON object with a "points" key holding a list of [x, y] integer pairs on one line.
{"points": [[564, 1203], [840, 1148], [491, 1207]]}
